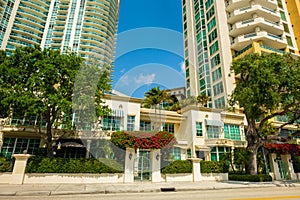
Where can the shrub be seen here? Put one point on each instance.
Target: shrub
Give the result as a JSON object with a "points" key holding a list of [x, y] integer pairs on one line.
{"points": [[178, 166], [5, 165], [251, 178], [214, 167], [39, 164]]}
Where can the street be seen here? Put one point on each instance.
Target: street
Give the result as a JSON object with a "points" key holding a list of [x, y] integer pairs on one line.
{"points": [[279, 193]]}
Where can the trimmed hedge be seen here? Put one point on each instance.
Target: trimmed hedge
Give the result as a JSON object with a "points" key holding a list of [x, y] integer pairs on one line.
{"points": [[214, 167], [251, 178], [5, 165], [38, 164], [178, 166], [185, 166]]}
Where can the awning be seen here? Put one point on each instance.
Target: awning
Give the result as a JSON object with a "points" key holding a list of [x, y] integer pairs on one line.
{"points": [[214, 122]]}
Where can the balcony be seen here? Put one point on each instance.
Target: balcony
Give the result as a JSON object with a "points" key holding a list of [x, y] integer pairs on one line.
{"points": [[266, 38], [232, 5], [246, 13], [247, 26]]}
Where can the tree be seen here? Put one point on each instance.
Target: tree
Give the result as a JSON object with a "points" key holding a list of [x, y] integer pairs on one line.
{"points": [[203, 99], [40, 83], [154, 97], [267, 86]]}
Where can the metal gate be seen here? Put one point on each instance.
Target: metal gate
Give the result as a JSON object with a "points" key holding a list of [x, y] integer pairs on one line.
{"points": [[142, 166], [283, 169]]}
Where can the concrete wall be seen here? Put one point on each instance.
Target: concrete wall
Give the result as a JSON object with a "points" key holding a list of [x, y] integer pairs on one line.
{"points": [[189, 177], [73, 178]]}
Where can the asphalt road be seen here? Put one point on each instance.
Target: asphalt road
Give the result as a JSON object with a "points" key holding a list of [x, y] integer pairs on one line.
{"points": [[277, 193]]}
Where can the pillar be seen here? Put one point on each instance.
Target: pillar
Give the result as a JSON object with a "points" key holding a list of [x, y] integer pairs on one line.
{"points": [[129, 162], [88, 148], [287, 161], [196, 169], [19, 168], [1, 138], [155, 157], [274, 166]]}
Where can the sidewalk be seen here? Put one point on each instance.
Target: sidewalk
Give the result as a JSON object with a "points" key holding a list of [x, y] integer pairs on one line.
{"points": [[73, 189]]}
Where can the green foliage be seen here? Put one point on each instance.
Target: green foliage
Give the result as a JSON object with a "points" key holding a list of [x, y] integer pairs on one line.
{"points": [[154, 97], [296, 164], [70, 165], [214, 167], [5, 165], [36, 82], [251, 178], [267, 86], [178, 166]]}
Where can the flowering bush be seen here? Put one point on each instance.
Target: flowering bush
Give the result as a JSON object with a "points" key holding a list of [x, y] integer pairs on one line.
{"points": [[284, 148], [143, 140]]}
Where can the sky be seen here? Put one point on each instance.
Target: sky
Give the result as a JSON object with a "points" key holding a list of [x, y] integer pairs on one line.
{"points": [[149, 50]]}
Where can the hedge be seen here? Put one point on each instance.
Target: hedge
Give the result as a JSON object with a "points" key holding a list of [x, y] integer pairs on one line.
{"points": [[6, 165], [214, 167], [178, 166], [39, 164], [185, 166], [251, 178]]}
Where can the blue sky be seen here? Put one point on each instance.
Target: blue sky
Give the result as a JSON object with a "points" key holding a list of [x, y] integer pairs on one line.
{"points": [[149, 46]]}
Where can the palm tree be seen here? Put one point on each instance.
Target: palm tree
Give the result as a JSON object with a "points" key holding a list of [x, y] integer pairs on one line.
{"points": [[153, 98]]}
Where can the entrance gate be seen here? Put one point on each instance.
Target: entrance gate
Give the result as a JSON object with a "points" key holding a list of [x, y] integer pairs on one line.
{"points": [[283, 169], [142, 166]]}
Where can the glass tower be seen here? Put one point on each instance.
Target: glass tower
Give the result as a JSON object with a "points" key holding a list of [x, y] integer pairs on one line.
{"points": [[218, 31], [87, 27]]}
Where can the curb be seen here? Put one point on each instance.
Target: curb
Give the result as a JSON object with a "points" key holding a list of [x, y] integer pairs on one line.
{"points": [[144, 190]]}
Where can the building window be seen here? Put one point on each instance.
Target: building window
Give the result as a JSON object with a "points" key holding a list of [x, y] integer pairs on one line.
{"points": [[175, 153], [282, 15], [169, 128], [199, 131], [218, 88], [13, 146], [145, 126], [111, 123], [217, 74], [217, 152], [213, 35], [220, 103], [212, 132], [130, 123], [232, 132], [211, 24], [289, 41], [213, 48], [215, 61], [210, 13]]}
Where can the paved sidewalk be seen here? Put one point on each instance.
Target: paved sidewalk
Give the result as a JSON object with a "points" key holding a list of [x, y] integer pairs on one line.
{"points": [[73, 189]]}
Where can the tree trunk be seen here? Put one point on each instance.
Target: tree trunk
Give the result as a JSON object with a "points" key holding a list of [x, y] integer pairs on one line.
{"points": [[49, 141], [253, 145], [252, 163]]}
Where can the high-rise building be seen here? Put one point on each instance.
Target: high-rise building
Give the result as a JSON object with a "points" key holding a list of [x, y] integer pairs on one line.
{"points": [[218, 31], [87, 27]]}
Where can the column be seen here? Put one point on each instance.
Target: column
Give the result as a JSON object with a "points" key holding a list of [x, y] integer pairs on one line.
{"points": [[129, 162], [19, 168], [88, 148], [287, 161], [1, 138], [155, 161], [196, 169], [274, 166]]}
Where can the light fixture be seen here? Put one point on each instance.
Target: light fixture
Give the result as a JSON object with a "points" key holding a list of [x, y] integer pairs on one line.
{"points": [[59, 146], [130, 156]]}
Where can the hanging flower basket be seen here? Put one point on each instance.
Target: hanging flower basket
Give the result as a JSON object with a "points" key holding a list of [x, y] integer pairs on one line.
{"points": [[284, 148], [143, 140]]}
